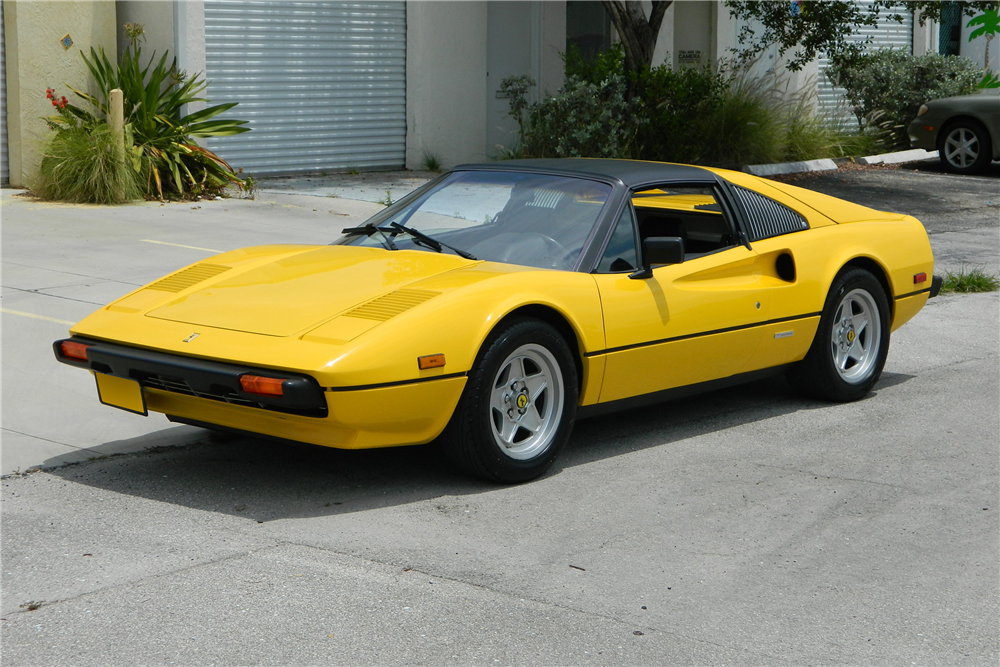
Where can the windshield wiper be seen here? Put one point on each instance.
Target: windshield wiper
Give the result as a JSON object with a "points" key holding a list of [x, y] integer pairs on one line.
{"points": [[371, 230], [433, 244]]}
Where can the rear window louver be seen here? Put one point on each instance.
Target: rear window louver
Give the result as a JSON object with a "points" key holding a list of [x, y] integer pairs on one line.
{"points": [[390, 305], [188, 277], [766, 217]]}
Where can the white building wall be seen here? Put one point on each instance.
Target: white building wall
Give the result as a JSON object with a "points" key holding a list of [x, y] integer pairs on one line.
{"points": [[984, 50], [445, 72]]}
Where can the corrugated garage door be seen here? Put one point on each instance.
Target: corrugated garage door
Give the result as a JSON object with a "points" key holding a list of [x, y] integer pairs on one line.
{"points": [[887, 33], [323, 84], [4, 169]]}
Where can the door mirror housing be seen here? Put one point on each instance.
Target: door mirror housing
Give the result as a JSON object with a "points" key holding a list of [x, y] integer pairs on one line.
{"points": [[659, 250]]}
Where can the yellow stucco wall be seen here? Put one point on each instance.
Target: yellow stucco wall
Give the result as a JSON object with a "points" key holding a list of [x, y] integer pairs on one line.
{"points": [[36, 60]]}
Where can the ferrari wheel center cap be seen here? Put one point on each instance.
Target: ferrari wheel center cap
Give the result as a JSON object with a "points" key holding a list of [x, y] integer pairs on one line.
{"points": [[522, 401]]}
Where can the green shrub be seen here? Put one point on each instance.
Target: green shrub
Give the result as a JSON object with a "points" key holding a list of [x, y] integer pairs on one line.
{"points": [[676, 104], [86, 165], [153, 97], [581, 120], [896, 83], [698, 116]]}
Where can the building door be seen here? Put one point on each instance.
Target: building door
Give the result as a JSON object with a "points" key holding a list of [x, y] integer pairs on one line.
{"points": [[323, 84]]}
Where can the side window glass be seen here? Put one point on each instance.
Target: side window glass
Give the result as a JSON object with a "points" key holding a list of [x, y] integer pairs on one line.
{"points": [[692, 213], [621, 255]]}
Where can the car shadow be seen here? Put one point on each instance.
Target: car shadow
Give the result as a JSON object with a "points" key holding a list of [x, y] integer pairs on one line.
{"points": [[266, 480]]}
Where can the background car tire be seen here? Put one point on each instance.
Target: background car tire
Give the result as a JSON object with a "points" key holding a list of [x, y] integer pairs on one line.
{"points": [[851, 344], [964, 146], [518, 407]]}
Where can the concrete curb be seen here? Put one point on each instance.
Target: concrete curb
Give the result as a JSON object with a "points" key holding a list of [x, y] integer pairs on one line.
{"points": [[898, 157], [790, 167]]}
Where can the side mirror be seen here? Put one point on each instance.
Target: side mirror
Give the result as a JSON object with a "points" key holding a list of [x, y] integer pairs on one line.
{"points": [[659, 250]]}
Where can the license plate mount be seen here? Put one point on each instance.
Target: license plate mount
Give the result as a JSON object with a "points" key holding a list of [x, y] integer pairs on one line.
{"points": [[122, 393]]}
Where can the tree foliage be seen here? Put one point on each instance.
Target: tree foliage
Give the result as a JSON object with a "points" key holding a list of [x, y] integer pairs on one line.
{"points": [[805, 28]]}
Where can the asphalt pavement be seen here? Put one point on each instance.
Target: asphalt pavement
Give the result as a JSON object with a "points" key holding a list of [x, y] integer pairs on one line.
{"points": [[747, 526]]}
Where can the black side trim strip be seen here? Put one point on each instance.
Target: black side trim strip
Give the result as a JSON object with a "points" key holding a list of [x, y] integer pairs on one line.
{"points": [[702, 333], [676, 392], [919, 291], [398, 383]]}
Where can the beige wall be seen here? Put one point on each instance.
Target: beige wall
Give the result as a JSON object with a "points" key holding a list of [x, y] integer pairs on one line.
{"points": [[446, 70], [156, 17], [36, 60]]}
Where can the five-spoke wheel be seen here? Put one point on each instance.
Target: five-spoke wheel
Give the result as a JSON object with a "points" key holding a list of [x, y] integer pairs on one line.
{"points": [[852, 342], [518, 406]]}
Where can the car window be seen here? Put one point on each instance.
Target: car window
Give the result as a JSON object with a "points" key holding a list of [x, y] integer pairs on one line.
{"points": [[519, 218], [692, 213], [621, 254]]}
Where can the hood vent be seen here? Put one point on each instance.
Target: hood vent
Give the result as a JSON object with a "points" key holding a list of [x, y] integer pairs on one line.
{"points": [[188, 277], [390, 305]]}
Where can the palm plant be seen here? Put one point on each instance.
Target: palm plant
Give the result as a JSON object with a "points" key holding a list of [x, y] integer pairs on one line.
{"points": [[162, 139]]}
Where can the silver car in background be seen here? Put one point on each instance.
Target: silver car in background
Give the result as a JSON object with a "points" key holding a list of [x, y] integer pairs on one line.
{"points": [[965, 130]]}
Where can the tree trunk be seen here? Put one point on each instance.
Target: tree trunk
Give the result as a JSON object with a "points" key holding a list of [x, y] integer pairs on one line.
{"points": [[638, 35]]}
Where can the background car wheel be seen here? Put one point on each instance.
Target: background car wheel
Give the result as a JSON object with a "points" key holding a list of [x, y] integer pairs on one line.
{"points": [[851, 343], [519, 404], [964, 146]]}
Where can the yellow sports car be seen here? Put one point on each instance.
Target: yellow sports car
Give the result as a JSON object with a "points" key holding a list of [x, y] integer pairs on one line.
{"points": [[498, 304]]}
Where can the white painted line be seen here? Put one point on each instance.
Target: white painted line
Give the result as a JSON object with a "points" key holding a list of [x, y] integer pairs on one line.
{"points": [[178, 245], [37, 317]]}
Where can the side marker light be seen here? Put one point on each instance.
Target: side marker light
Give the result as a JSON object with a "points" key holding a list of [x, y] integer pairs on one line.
{"points": [[919, 278], [929, 128], [73, 350], [430, 361], [265, 386]]}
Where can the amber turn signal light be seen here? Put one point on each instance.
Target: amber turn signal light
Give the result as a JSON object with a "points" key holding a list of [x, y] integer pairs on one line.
{"points": [[919, 278], [256, 384], [74, 350], [430, 361]]}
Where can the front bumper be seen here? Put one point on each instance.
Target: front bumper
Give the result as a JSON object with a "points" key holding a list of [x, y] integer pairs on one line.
{"points": [[208, 393]]}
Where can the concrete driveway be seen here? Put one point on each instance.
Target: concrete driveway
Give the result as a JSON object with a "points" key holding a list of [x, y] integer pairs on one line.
{"points": [[746, 526]]}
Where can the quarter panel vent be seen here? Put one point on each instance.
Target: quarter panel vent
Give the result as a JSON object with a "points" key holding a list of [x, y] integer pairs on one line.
{"points": [[188, 277], [390, 305]]}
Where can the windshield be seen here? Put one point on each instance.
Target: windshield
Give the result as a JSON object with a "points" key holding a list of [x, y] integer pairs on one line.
{"points": [[527, 219]]}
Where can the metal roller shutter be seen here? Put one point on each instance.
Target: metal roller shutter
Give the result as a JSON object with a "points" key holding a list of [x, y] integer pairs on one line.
{"points": [[886, 34], [323, 84]]}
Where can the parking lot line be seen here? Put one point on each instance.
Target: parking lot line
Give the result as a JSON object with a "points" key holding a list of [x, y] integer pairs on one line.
{"points": [[37, 317], [178, 245]]}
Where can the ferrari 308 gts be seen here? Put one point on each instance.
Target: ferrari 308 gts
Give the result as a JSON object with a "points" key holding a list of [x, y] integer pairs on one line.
{"points": [[496, 305]]}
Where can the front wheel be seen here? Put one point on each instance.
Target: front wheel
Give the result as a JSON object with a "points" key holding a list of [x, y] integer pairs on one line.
{"points": [[851, 343], [518, 407]]}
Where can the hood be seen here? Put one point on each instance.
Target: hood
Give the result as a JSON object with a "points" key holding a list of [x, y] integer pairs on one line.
{"points": [[297, 292]]}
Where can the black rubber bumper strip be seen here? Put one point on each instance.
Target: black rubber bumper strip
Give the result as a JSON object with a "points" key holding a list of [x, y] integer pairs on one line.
{"points": [[209, 378], [936, 285]]}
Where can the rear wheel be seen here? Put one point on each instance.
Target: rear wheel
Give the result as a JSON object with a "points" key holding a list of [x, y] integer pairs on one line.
{"points": [[851, 343], [964, 146], [518, 407]]}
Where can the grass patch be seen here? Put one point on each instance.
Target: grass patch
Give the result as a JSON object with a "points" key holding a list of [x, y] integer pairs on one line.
{"points": [[432, 162], [969, 281], [86, 166]]}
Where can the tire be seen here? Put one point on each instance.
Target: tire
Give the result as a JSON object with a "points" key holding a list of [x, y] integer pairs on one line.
{"points": [[852, 342], [518, 407], [964, 146]]}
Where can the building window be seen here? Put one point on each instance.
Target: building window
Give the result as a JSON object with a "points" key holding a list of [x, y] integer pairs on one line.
{"points": [[950, 29], [588, 28]]}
